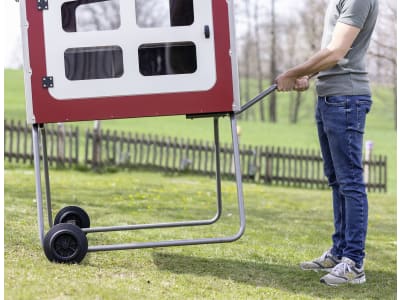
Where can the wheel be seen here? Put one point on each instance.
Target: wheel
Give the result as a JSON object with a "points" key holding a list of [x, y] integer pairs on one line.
{"points": [[65, 243], [73, 215]]}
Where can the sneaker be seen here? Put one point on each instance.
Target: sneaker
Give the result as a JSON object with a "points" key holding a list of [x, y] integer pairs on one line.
{"points": [[345, 272], [324, 263]]}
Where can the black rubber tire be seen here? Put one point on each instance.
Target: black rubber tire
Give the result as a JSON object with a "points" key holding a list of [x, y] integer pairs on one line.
{"points": [[65, 243], [73, 215]]}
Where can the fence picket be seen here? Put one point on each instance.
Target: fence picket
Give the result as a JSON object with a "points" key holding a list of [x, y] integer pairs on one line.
{"points": [[25, 145], [10, 151], [18, 144]]}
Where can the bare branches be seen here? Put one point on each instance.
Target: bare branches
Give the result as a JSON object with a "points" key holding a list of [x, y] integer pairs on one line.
{"points": [[275, 35], [392, 60]]}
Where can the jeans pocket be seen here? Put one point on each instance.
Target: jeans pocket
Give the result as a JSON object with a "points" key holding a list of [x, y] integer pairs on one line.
{"points": [[363, 108], [356, 114], [335, 101]]}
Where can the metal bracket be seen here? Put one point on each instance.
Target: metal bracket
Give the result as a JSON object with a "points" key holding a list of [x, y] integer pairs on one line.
{"points": [[42, 4], [47, 82], [206, 115]]}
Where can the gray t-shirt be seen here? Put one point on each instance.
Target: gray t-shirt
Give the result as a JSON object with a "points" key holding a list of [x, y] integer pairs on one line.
{"points": [[349, 76]]}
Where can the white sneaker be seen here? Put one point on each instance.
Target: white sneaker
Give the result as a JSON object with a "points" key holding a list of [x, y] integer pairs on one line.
{"points": [[324, 263], [345, 272]]}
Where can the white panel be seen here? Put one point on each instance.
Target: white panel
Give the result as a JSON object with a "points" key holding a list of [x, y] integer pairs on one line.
{"points": [[27, 65], [129, 37], [235, 70]]}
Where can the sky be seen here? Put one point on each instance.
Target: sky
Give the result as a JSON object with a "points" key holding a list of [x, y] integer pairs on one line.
{"points": [[12, 34]]}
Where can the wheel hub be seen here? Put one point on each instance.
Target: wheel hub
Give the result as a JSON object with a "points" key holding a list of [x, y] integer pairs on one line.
{"points": [[65, 246]]}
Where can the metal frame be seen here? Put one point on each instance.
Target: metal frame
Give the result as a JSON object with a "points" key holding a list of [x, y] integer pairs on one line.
{"points": [[39, 139]]}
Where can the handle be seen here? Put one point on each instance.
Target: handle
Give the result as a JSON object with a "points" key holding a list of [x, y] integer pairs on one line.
{"points": [[207, 32], [258, 98]]}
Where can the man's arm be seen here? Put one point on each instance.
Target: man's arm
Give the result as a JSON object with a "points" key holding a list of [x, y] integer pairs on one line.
{"points": [[342, 40]]}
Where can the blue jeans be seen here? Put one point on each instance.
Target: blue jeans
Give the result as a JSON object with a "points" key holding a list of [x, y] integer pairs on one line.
{"points": [[341, 123]]}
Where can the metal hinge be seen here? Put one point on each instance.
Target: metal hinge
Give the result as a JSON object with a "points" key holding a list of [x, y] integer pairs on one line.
{"points": [[42, 4], [47, 82]]}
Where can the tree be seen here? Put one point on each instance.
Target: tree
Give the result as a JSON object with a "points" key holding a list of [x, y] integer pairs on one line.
{"points": [[273, 71], [383, 50], [293, 57], [260, 74], [247, 55], [303, 43]]}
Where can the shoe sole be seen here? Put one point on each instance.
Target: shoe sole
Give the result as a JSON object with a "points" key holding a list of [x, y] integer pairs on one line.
{"points": [[360, 280]]}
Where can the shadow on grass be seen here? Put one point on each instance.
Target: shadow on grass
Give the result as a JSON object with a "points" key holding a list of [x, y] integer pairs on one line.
{"points": [[380, 285]]}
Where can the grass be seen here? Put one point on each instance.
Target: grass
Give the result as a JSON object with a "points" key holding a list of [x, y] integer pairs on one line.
{"points": [[284, 227]]}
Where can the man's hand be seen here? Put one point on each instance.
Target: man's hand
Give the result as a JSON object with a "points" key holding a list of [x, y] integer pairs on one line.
{"points": [[302, 84], [285, 82]]}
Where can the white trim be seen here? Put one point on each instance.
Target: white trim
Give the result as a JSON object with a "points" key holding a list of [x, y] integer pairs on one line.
{"points": [[27, 65], [234, 60]]}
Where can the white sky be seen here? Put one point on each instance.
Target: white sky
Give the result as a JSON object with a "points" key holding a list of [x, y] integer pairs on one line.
{"points": [[11, 27], [11, 30]]}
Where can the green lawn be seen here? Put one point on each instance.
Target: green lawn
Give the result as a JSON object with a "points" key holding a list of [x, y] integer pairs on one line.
{"points": [[284, 227]]}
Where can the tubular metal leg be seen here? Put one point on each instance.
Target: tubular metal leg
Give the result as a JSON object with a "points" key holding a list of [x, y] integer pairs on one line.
{"points": [[239, 187], [38, 181], [238, 173], [183, 223], [46, 175], [217, 167]]}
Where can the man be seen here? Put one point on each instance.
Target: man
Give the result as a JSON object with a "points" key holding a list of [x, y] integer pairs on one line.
{"points": [[344, 99]]}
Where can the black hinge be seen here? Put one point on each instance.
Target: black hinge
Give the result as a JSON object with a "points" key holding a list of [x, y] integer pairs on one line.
{"points": [[47, 82], [42, 4]]}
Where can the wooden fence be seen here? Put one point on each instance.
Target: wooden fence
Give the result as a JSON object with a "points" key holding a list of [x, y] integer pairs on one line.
{"points": [[62, 144], [267, 165]]}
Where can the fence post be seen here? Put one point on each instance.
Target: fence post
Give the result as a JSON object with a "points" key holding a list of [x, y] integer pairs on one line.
{"points": [[60, 144], [96, 157], [369, 146], [10, 150]]}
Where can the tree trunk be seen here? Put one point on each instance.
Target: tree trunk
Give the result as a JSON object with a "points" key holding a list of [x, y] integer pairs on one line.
{"points": [[272, 101], [296, 108], [247, 60], [259, 60]]}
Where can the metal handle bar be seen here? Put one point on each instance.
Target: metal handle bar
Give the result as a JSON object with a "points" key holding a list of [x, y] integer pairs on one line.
{"points": [[265, 94], [257, 98]]}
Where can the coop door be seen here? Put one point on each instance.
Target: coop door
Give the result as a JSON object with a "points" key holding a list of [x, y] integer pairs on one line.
{"points": [[102, 48]]}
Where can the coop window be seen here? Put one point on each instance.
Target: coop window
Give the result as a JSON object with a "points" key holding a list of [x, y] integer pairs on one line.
{"points": [[90, 15], [167, 58], [93, 63], [164, 13]]}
